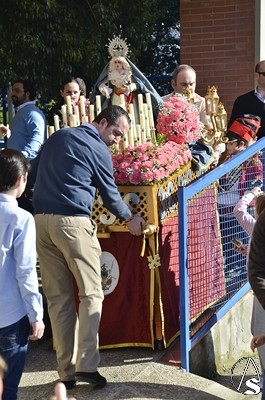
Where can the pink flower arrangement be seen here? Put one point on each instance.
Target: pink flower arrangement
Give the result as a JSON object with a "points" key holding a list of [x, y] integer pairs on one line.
{"points": [[149, 163], [179, 120]]}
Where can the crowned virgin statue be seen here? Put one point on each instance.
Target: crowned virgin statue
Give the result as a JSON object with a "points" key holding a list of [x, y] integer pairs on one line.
{"points": [[121, 77]]}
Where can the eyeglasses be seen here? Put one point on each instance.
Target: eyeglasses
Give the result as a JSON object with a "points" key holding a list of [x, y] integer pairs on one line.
{"points": [[261, 73], [117, 133]]}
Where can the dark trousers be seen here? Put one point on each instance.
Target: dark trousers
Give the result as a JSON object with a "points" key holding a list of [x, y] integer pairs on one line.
{"points": [[13, 349]]}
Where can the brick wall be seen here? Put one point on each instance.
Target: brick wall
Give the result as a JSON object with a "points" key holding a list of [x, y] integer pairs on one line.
{"points": [[217, 39]]}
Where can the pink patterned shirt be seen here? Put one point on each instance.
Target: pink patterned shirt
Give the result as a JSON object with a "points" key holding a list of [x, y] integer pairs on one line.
{"points": [[242, 215]]}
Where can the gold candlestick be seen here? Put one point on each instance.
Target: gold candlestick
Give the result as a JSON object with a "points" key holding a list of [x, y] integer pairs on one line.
{"points": [[188, 93]]}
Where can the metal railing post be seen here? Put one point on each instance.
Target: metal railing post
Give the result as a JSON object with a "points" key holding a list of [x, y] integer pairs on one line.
{"points": [[183, 279]]}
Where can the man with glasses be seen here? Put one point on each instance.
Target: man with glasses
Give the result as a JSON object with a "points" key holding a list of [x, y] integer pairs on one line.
{"points": [[74, 163], [252, 102], [184, 76]]}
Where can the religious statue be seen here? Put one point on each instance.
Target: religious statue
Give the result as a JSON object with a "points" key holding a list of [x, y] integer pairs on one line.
{"points": [[119, 81], [121, 77]]}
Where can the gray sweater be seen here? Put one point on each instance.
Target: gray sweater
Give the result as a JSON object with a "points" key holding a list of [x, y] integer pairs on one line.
{"points": [[74, 163]]}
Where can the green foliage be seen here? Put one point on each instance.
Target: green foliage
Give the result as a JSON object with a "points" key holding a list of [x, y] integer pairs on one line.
{"points": [[47, 39]]}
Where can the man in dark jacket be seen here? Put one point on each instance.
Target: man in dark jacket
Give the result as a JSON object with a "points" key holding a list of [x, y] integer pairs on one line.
{"points": [[252, 102]]}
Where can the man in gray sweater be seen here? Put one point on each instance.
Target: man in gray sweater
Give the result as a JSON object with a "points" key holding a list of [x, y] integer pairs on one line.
{"points": [[74, 163]]}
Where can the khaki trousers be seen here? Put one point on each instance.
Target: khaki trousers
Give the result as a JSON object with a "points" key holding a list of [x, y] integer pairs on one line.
{"points": [[68, 248]]}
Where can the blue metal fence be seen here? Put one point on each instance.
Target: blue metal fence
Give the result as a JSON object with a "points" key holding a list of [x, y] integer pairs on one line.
{"points": [[221, 279]]}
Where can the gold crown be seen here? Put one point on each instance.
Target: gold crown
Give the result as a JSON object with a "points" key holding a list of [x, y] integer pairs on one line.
{"points": [[118, 47]]}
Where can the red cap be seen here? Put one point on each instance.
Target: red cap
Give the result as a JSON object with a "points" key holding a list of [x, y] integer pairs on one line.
{"points": [[244, 128]]}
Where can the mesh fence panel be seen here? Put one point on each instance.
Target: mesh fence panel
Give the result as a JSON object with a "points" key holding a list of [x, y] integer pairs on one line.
{"points": [[216, 271]]}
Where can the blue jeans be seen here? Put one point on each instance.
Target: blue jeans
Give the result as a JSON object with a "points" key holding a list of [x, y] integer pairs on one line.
{"points": [[13, 349]]}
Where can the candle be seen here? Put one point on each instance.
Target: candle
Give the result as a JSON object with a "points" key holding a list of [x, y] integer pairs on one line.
{"points": [[132, 116], [143, 135], [122, 101], [91, 112], [76, 110], [125, 141], [140, 104], [130, 136], [150, 110], [56, 122], [64, 115], [82, 106], [147, 126], [72, 120], [153, 135], [51, 130], [138, 134], [133, 128], [69, 105], [98, 105], [142, 120]]}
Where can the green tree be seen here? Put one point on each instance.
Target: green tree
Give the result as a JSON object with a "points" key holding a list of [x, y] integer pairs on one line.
{"points": [[47, 39]]}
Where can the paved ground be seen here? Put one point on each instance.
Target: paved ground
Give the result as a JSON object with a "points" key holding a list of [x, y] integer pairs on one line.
{"points": [[132, 373]]}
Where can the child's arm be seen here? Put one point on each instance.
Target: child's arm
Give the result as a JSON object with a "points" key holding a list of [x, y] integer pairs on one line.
{"points": [[241, 212], [241, 249], [257, 341], [37, 330]]}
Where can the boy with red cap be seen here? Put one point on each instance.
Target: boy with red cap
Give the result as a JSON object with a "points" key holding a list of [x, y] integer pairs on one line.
{"points": [[241, 134]]}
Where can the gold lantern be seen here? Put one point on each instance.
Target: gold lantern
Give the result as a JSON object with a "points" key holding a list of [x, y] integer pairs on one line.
{"points": [[211, 100], [221, 118]]}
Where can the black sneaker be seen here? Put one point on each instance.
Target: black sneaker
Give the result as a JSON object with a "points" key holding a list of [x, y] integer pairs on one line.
{"points": [[69, 384], [91, 377]]}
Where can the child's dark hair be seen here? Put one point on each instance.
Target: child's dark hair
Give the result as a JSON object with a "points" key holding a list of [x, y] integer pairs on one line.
{"points": [[13, 164]]}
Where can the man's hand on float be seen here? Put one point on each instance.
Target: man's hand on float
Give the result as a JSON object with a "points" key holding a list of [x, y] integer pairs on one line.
{"points": [[135, 224]]}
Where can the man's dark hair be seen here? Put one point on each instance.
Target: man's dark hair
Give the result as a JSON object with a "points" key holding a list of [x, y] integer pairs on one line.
{"points": [[29, 87], [111, 114], [12, 165]]}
